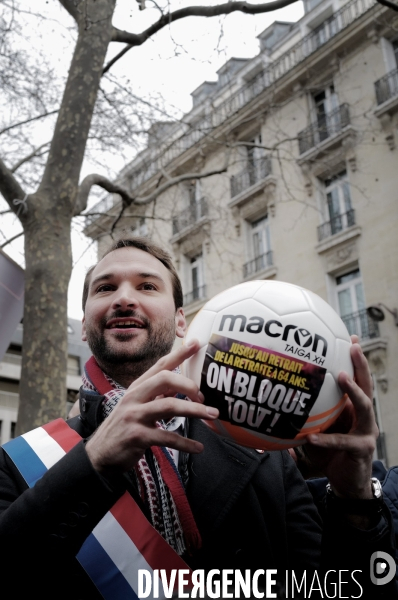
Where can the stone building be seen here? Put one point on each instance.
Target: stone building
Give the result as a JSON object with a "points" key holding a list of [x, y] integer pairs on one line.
{"points": [[10, 375], [286, 168]]}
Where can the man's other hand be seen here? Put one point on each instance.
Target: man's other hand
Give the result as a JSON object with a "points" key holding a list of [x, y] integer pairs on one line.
{"points": [[344, 453]]}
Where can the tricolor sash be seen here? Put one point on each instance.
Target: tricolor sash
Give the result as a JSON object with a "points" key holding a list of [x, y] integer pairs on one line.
{"points": [[123, 541]]}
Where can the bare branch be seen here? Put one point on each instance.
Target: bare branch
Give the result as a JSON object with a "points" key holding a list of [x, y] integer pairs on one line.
{"points": [[175, 180], [36, 152], [11, 189], [389, 4], [128, 199], [109, 186], [36, 118], [133, 39], [14, 237]]}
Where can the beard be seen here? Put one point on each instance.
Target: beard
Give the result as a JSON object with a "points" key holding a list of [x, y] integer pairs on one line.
{"points": [[130, 358]]}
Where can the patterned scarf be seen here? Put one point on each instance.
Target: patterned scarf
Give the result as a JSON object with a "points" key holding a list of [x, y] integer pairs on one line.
{"points": [[160, 487]]}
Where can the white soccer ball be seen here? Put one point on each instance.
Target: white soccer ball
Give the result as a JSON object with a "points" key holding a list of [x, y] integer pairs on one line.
{"points": [[270, 354]]}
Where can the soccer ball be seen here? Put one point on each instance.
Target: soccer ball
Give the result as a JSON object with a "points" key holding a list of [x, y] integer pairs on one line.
{"points": [[270, 354]]}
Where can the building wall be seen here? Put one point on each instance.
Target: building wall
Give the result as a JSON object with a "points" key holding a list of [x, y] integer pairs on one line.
{"points": [[293, 195], [10, 374]]}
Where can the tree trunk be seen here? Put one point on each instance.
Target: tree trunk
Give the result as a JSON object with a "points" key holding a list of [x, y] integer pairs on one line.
{"points": [[47, 225], [44, 359]]}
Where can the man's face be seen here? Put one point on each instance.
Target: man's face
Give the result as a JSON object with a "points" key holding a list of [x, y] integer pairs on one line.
{"points": [[130, 317]]}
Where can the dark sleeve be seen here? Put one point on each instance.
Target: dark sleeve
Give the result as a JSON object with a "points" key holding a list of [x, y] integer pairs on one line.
{"points": [[304, 526], [59, 512]]}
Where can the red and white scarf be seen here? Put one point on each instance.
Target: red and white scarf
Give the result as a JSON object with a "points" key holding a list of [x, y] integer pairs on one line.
{"points": [[170, 512]]}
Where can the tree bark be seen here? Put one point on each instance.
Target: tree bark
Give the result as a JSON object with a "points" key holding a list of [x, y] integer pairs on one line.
{"points": [[47, 226]]}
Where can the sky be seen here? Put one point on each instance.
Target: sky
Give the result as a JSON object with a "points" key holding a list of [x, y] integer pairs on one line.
{"points": [[172, 64]]}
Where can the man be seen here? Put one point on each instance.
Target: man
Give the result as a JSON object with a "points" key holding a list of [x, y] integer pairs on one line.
{"points": [[240, 509]]}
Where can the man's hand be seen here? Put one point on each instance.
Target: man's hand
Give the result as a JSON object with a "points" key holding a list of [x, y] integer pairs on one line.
{"points": [[121, 440], [344, 454]]}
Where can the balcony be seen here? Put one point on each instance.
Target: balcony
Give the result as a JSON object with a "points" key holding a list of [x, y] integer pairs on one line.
{"points": [[255, 172], [198, 293], [362, 325], [327, 126], [337, 224], [190, 216], [387, 87], [257, 264]]}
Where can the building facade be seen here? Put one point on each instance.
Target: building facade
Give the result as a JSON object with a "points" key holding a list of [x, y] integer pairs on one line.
{"points": [[10, 375], [286, 168]]}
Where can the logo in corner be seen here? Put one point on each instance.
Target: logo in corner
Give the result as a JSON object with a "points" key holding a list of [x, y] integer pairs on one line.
{"points": [[382, 568]]}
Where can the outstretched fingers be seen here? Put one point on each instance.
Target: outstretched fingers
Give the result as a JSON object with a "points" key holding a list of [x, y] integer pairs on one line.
{"points": [[171, 361]]}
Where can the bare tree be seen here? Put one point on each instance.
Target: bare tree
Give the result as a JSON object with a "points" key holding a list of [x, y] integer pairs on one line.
{"points": [[46, 214]]}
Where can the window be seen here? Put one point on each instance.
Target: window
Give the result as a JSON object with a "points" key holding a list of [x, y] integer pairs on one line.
{"points": [[195, 207], [327, 117], [395, 51], [260, 237], [327, 114], [259, 247], [387, 86], [195, 200], [12, 430], [73, 367], [350, 293], [196, 280], [336, 206], [257, 166], [255, 160], [352, 307], [390, 53]]}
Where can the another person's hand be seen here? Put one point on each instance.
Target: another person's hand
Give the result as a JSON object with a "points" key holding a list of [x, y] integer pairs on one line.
{"points": [[131, 428], [344, 453]]}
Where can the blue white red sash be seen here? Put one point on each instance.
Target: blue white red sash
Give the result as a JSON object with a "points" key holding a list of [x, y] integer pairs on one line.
{"points": [[123, 541]]}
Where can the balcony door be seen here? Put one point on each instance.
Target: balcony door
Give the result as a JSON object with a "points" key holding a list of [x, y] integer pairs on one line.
{"points": [[255, 160], [195, 199], [338, 203], [326, 106], [196, 276], [351, 303], [260, 244]]}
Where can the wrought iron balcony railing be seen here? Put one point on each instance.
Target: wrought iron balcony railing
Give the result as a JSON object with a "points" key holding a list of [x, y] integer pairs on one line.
{"points": [[362, 325], [190, 215], [254, 172], [257, 264], [337, 224], [198, 293], [326, 126], [387, 87]]}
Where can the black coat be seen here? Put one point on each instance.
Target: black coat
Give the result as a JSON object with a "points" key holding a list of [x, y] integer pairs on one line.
{"points": [[253, 511]]}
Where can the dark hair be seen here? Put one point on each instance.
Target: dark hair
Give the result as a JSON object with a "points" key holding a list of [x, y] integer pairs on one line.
{"points": [[145, 245]]}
